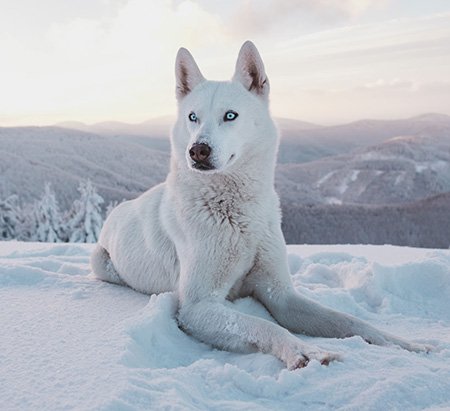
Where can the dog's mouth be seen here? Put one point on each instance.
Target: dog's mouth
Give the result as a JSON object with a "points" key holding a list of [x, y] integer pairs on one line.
{"points": [[207, 166], [202, 166]]}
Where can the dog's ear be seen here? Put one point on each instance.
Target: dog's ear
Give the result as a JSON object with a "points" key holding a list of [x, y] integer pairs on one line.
{"points": [[187, 73], [250, 70]]}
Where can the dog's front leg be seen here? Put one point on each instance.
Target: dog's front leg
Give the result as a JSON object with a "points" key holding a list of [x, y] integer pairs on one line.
{"points": [[270, 283], [302, 315], [218, 324], [208, 316]]}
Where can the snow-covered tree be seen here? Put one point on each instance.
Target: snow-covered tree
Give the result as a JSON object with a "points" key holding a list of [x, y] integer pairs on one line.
{"points": [[47, 218], [26, 226], [9, 218], [86, 218]]}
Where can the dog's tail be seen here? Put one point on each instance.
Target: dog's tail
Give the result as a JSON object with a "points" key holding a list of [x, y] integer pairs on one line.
{"points": [[103, 267]]}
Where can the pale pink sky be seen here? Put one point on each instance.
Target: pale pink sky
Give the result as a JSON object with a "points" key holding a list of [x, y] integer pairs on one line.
{"points": [[329, 61]]}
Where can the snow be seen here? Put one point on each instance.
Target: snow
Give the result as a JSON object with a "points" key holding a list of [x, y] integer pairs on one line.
{"points": [[70, 341], [325, 178]]}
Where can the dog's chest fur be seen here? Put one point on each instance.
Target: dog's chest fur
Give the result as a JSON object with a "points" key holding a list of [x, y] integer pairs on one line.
{"points": [[227, 212], [227, 203]]}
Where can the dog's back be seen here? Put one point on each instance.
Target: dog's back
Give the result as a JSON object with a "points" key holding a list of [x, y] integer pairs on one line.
{"points": [[142, 256]]}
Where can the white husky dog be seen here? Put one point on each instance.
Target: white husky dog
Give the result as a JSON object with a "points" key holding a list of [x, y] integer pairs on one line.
{"points": [[211, 232]]}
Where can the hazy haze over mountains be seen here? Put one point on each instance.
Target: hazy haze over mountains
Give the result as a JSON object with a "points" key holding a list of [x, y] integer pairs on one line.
{"points": [[364, 163]]}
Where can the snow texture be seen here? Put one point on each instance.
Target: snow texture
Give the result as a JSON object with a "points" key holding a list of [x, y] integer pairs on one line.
{"points": [[70, 341]]}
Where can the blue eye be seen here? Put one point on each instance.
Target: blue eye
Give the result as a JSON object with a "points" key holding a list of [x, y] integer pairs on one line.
{"points": [[230, 115], [193, 117]]}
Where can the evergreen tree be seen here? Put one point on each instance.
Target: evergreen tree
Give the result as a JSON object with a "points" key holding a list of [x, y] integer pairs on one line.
{"points": [[86, 216], [9, 218], [47, 218], [26, 227]]}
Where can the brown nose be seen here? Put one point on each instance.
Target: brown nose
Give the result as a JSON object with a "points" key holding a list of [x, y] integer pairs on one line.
{"points": [[200, 152]]}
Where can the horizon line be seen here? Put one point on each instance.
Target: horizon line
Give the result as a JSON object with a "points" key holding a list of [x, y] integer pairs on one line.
{"points": [[172, 118]]}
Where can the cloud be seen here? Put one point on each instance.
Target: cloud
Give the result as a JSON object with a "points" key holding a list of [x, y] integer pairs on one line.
{"points": [[141, 39], [255, 17], [411, 49], [118, 63], [395, 83], [391, 69], [104, 67]]}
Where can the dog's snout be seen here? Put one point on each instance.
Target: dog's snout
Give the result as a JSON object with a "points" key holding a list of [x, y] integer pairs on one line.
{"points": [[200, 152]]}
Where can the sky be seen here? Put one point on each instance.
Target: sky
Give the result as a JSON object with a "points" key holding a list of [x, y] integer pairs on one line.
{"points": [[328, 61]]}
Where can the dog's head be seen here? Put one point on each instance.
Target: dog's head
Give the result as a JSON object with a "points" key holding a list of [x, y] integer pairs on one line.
{"points": [[220, 123]]}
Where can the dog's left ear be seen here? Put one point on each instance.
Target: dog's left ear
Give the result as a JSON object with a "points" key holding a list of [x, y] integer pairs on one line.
{"points": [[187, 73], [250, 70]]}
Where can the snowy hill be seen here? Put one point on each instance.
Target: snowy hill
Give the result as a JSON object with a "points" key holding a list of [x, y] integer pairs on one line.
{"points": [[72, 342], [399, 170], [299, 146], [161, 126], [156, 127], [301, 141], [122, 164], [119, 167]]}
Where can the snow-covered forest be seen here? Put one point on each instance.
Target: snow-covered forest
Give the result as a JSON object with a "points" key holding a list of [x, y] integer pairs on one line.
{"points": [[45, 221], [422, 224]]}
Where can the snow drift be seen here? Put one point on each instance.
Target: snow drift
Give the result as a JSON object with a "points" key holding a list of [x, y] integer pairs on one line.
{"points": [[72, 342]]}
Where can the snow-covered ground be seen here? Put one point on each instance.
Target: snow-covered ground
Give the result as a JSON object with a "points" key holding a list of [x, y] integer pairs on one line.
{"points": [[69, 341]]}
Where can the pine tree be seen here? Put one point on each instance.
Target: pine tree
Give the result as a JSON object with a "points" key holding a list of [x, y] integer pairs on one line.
{"points": [[86, 216], [26, 228], [9, 218], [47, 218]]}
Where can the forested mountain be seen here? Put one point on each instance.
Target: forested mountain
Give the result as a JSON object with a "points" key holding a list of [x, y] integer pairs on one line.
{"points": [[399, 170], [332, 180]]}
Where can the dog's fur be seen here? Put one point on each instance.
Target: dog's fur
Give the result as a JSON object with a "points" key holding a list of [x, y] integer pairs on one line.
{"points": [[212, 232]]}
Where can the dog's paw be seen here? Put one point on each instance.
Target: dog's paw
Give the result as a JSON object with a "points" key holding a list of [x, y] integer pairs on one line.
{"points": [[388, 339], [417, 347], [411, 346], [301, 360], [324, 357]]}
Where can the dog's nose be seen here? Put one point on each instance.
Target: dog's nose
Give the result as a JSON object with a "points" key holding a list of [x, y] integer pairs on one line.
{"points": [[200, 152]]}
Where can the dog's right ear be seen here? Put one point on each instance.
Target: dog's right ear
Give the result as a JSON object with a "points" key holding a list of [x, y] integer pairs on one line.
{"points": [[187, 73], [250, 71]]}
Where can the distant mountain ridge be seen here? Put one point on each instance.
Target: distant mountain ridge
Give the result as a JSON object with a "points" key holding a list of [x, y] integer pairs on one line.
{"points": [[166, 122], [160, 126], [157, 127], [308, 145], [399, 170], [372, 181], [364, 162], [31, 156], [300, 141]]}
